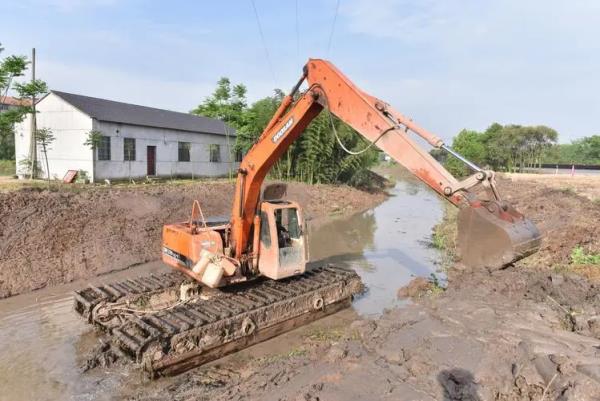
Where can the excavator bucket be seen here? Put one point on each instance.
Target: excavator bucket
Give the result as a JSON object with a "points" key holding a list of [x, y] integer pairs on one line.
{"points": [[493, 235]]}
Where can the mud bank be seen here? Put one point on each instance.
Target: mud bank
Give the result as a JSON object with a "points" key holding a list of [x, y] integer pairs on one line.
{"points": [[529, 332], [49, 238]]}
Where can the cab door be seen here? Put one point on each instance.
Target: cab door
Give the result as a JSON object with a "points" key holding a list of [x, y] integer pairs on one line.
{"points": [[282, 240]]}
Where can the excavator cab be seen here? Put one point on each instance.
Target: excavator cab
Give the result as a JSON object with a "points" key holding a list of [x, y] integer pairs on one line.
{"points": [[283, 243]]}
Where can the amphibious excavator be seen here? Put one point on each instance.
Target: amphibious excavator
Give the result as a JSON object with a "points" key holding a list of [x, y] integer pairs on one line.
{"points": [[246, 279]]}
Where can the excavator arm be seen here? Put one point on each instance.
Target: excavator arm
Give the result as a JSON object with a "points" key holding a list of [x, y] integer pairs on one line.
{"points": [[491, 233]]}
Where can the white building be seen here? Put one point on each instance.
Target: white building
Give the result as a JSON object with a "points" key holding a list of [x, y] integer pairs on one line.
{"points": [[137, 141]]}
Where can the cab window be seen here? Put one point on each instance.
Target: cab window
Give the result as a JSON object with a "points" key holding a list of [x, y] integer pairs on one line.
{"points": [[265, 235], [288, 228]]}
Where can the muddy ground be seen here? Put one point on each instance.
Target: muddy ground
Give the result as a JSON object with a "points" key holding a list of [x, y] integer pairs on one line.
{"points": [[530, 332], [53, 237]]}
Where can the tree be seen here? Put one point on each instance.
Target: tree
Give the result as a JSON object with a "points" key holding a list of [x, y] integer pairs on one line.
{"points": [[581, 151], [508, 147], [470, 145], [590, 149], [10, 68], [44, 138], [92, 140], [315, 157], [227, 103]]}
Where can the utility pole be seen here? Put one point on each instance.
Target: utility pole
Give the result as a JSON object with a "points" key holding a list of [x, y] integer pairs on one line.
{"points": [[33, 144]]}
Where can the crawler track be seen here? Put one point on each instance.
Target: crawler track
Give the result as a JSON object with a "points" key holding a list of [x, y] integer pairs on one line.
{"points": [[182, 335]]}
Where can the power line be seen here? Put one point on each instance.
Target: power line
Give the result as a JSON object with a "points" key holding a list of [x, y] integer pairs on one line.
{"points": [[337, 7], [264, 42]]}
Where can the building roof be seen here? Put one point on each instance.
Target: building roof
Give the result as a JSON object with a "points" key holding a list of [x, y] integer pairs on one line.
{"points": [[109, 110], [13, 101]]}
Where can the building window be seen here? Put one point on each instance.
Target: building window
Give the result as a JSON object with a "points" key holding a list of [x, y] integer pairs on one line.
{"points": [[215, 153], [129, 149], [104, 148], [239, 156], [184, 151]]}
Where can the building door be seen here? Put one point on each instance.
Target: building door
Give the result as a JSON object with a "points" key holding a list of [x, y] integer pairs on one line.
{"points": [[151, 157]]}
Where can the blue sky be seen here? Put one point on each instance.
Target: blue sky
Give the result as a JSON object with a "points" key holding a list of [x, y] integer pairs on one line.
{"points": [[448, 64]]}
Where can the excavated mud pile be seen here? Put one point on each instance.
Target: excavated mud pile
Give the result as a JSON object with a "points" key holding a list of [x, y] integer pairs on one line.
{"points": [[53, 237], [565, 218]]}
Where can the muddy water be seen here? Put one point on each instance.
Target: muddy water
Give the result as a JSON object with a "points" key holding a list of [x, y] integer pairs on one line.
{"points": [[387, 245], [43, 343]]}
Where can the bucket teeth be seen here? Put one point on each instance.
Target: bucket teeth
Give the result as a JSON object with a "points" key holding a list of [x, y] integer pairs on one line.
{"points": [[194, 332]]}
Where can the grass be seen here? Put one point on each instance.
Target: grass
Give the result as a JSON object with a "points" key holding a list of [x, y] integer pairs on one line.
{"points": [[444, 233], [444, 236], [568, 191], [7, 167], [580, 256], [438, 240], [436, 285], [293, 353], [330, 335]]}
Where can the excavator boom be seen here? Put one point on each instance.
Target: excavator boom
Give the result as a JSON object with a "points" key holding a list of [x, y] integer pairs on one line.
{"points": [[492, 234]]}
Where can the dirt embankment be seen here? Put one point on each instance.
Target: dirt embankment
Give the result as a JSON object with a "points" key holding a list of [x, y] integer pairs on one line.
{"points": [[48, 238], [530, 332]]}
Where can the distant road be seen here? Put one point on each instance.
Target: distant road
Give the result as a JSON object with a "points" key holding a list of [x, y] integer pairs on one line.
{"points": [[578, 171]]}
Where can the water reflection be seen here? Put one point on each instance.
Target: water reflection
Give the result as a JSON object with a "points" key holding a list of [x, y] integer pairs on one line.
{"points": [[386, 245]]}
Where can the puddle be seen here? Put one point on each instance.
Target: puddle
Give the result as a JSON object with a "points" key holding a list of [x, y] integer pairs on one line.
{"points": [[43, 341]]}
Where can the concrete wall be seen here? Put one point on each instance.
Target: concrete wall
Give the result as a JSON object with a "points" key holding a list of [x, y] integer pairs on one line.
{"points": [[166, 142], [69, 127]]}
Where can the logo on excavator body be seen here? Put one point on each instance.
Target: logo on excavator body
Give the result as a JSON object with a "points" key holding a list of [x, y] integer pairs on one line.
{"points": [[283, 130]]}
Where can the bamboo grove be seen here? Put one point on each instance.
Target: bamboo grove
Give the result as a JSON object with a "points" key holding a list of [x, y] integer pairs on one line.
{"points": [[314, 158]]}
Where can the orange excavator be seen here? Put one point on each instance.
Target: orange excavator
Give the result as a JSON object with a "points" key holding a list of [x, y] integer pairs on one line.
{"points": [[258, 259], [266, 237]]}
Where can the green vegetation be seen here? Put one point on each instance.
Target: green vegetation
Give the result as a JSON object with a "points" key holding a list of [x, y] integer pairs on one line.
{"points": [[515, 147], [11, 68], [44, 138], [501, 148], [7, 167], [581, 151], [444, 233], [314, 158], [568, 191], [294, 353], [320, 334], [580, 256], [436, 287], [444, 238]]}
